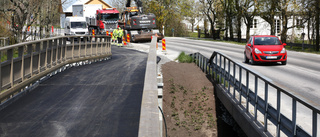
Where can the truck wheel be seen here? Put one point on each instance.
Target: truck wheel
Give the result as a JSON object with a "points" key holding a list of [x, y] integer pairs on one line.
{"points": [[133, 39]]}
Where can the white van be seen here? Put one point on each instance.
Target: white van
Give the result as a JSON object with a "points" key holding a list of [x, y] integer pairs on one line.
{"points": [[76, 26]]}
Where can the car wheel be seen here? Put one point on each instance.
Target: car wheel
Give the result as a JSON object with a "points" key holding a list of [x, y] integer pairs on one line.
{"points": [[252, 62], [246, 60], [284, 62]]}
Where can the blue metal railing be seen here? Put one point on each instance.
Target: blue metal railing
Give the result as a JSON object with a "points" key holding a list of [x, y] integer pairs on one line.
{"points": [[229, 75]]}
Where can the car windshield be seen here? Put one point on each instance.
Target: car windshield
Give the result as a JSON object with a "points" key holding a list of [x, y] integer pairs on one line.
{"points": [[266, 41], [78, 25], [107, 17]]}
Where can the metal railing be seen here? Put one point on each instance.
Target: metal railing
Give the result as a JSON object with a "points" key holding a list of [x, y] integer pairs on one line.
{"points": [[240, 84], [24, 63], [4, 41]]}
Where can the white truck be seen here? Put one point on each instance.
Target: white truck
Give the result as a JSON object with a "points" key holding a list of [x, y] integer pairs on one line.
{"points": [[76, 26]]}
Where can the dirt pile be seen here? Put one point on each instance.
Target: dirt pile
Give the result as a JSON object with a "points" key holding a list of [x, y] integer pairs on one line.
{"points": [[188, 101]]}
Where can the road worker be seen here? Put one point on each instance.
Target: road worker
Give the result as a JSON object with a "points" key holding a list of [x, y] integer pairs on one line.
{"points": [[115, 35], [120, 35]]}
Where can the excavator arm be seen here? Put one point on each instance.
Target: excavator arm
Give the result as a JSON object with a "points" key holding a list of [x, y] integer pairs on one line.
{"points": [[138, 3]]}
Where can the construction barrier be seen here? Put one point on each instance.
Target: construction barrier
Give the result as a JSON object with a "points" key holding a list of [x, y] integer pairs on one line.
{"points": [[93, 32], [107, 33], [164, 44], [124, 41], [128, 38]]}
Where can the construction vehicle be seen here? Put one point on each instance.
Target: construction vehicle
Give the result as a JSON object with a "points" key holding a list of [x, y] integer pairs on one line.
{"points": [[98, 19], [139, 26]]}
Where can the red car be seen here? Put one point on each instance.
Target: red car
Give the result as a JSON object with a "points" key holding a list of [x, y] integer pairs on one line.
{"points": [[265, 48]]}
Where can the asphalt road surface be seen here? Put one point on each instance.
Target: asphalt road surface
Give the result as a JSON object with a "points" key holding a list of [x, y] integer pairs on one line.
{"points": [[100, 99]]}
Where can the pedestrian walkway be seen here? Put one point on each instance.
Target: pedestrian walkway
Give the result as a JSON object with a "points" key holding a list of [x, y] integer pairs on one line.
{"points": [[100, 99]]}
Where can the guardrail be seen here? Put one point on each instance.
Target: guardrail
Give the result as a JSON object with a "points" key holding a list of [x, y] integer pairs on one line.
{"points": [[4, 41], [234, 82], [149, 125], [24, 63]]}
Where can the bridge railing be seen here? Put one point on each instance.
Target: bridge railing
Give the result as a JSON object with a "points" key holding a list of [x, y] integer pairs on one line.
{"points": [[4, 41], [240, 85], [24, 63], [149, 125]]}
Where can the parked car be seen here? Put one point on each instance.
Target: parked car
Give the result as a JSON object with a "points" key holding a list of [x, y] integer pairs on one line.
{"points": [[265, 48]]}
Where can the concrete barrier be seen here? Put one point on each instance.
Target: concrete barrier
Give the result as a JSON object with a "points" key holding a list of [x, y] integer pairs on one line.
{"points": [[149, 125]]}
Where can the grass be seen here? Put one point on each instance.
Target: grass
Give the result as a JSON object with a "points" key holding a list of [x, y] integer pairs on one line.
{"points": [[183, 58]]}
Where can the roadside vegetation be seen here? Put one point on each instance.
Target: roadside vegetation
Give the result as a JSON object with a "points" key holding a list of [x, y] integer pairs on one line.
{"points": [[184, 58]]}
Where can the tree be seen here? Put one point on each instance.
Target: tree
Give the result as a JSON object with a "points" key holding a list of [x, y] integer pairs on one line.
{"points": [[317, 5], [250, 10], [190, 10], [18, 14], [239, 14], [268, 10], [48, 15], [159, 10], [209, 11], [168, 13]]}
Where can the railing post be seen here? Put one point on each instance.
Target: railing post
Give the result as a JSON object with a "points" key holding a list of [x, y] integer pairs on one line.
{"points": [[294, 117], [224, 72], [266, 107], [85, 45], [240, 84], [0, 71], [314, 123], [229, 75], [10, 58], [278, 112], [247, 90], [234, 80], [72, 51], [21, 49], [256, 97]]}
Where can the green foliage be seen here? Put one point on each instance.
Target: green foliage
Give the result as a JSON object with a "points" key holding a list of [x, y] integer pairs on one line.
{"points": [[183, 58]]}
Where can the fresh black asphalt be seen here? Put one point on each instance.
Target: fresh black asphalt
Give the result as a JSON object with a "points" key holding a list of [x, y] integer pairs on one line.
{"points": [[100, 99]]}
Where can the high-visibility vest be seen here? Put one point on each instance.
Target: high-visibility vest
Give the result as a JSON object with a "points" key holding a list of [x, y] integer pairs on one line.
{"points": [[120, 33], [115, 33]]}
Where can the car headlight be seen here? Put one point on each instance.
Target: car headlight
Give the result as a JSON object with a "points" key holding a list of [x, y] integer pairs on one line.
{"points": [[283, 50], [257, 51]]}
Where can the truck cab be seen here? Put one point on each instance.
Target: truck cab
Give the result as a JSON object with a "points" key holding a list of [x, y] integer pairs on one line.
{"points": [[76, 26], [107, 20]]}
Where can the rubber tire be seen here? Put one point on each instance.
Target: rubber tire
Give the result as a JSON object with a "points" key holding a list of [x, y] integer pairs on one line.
{"points": [[252, 62], [284, 62], [246, 60]]}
